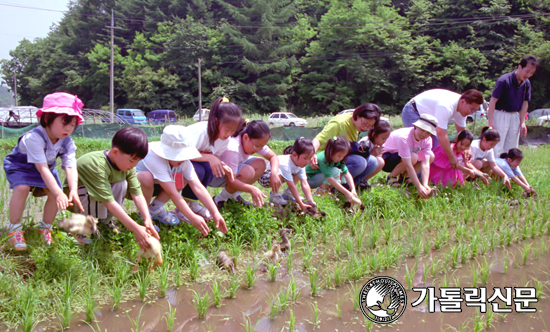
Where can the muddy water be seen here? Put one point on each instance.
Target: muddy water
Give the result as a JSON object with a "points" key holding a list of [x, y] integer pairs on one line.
{"points": [[254, 303]]}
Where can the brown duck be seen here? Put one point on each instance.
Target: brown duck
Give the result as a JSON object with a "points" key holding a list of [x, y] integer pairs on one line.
{"points": [[224, 262]]}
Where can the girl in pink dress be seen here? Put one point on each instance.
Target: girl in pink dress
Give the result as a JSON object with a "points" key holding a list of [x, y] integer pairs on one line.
{"points": [[441, 171]]}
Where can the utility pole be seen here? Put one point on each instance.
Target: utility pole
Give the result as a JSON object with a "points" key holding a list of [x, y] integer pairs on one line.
{"points": [[112, 71], [200, 92], [15, 90]]}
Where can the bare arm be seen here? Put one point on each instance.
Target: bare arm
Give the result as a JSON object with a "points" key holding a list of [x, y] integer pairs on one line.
{"points": [[203, 195], [306, 189], [314, 163], [491, 112], [140, 232], [72, 180], [412, 175], [61, 199], [500, 173], [522, 113], [274, 177]]}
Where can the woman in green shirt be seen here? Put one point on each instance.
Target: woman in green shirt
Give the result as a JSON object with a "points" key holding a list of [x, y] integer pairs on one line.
{"points": [[349, 125]]}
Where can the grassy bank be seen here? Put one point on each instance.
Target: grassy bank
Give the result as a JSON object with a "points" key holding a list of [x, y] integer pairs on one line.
{"points": [[54, 284]]}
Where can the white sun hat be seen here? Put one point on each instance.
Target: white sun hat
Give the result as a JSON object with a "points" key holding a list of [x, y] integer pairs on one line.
{"points": [[427, 122], [174, 145]]}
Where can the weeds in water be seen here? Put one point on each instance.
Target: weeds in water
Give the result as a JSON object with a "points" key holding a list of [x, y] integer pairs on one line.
{"points": [[250, 276], [144, 280], [163, 280], [170, 317], [313, 282], [66, 314], [201, 303], [217, 293], [194, 267], [234, 285], [272, 269], [135, 323]]}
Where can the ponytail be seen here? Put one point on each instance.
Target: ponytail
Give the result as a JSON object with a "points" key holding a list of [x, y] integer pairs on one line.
{"points": [[303, 145], [335, 145], [513, 153], [254, 129], [221, 111], [489, 134]]}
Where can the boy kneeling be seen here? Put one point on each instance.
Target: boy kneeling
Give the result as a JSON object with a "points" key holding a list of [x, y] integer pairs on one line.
{"points": [[104, 177]]}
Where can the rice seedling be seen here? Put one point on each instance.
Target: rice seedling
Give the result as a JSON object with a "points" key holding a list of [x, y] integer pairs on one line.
{"points": [[474, 276], [289, 260], [217, 293], [425, 273], [66, 313], [143, 282], [506, 263], [274, 307], [354, 294], [272, 269], [236, 247], [374, 262], [465, 253], [387, 233], [434, 267], [478, 322], [91, 303], [369, 324], [489, 317], [194, 267], [337, 275], [283, 298], [374, 236], [349, 247], [338, 309], [256, 241], [525, 253], [455, 255], [292, 290], [444, 282], [484, 271], [291, 322], [247, 323], [250, 275], [409, 275], [457, 281], [415, 246], [234, 285], [163, 280], [136, 326], [170, 317], [116, 293], [177, 273], [201, 303], [315, 311], [313, 282], [427, 246], [539, 286]]}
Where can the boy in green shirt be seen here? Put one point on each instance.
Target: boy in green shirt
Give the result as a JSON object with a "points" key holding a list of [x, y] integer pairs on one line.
{"points": [[104, 177]]}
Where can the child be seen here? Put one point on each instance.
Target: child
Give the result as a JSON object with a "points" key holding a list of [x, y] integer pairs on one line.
{"points": [[509, 163], [441, 171], [372, 145], [211, 139], [292, 169], [30, 167], [106, 176], [248, 139], [483, 156], [157, 174], [410, 150], [336, 150]]}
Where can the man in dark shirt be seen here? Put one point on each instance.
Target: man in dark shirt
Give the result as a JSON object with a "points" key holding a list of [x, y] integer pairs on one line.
{"points": [[509, 103]]}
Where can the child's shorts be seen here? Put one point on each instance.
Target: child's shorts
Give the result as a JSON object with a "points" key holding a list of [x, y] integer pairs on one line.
{"points": [[222, 182], [390, 161], [265, 179], [98, 209]]}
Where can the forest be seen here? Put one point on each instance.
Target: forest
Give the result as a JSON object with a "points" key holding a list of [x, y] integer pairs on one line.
{"points": [[308, 57]]}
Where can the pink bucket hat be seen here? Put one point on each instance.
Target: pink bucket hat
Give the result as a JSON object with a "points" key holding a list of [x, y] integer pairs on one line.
{"points": [[62, 103]]}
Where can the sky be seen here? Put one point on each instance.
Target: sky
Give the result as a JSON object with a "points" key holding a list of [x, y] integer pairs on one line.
{"points": [[33, 21]]}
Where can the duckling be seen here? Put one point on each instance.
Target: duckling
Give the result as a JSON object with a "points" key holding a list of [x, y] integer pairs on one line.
{"points": [[284, 245], [80, 224], [313, 211], [274, 254], [154, 254], [224, 262]]}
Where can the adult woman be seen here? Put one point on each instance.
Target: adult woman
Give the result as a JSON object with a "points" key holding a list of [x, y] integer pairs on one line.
{"points": [[349, 125]]}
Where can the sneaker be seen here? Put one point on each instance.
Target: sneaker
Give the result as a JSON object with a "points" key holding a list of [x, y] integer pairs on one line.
{"points": [[243, 201], [17, 240], [200, 210], [46, 236], [164, 216], [288, 195], [277, 198], [83, 239], [363, 185], [219, 204]]}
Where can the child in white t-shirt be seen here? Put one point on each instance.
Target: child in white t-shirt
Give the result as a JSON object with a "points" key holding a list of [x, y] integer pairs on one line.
{"points": [[292, 169], [483, 156], [165, 171]]}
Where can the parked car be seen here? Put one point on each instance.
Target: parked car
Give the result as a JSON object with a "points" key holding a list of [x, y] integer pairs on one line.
{"points": [[161, 116], [132, 115], [543, 120], [203, 113], [538, 113], [286, 119], [478, 115]]}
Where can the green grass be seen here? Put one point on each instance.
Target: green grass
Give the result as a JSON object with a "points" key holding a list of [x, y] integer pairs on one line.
{"points": [[460, 224]]}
